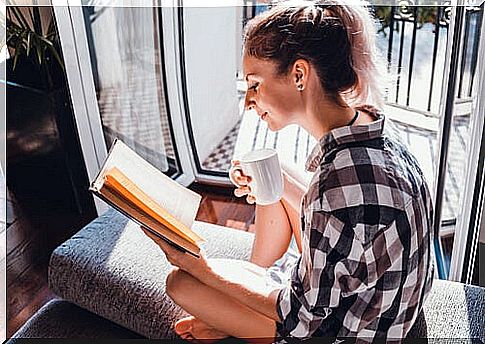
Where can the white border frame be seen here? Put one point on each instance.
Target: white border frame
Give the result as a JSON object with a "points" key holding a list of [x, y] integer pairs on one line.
{"points": [[75, 49], [473, 151], [173, 75]]}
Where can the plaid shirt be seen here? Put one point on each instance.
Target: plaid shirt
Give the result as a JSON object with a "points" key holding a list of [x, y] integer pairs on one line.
{"points": [[366, 263]]}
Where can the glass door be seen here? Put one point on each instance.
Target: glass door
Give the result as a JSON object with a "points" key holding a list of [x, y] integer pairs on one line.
{"points": [[117, 75]]}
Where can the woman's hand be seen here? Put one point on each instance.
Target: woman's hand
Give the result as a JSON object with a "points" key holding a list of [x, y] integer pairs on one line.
{"points": [[197, 267], [239, 179]]}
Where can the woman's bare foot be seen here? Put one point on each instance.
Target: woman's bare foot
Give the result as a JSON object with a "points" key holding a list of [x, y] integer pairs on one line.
{"points": [[191, 329]]}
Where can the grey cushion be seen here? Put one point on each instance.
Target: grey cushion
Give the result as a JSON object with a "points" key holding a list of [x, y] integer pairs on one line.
{"points": [[61, 319], [454, 310], [112, 269]]}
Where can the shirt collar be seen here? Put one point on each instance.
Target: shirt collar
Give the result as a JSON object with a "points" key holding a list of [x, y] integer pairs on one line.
{"points": [[342, 135]]}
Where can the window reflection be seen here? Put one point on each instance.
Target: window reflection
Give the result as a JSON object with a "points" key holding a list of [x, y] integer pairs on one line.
{"points": [[126, 58]]}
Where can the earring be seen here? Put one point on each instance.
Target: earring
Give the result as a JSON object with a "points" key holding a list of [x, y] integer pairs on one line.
{"points": [[300, 87]]}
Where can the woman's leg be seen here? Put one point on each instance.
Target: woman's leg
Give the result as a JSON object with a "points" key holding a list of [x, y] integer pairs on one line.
{"points": [[215, 313], [274, 226]]}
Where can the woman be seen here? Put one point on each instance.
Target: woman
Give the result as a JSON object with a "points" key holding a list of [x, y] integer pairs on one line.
{"points": [[363, 227]]}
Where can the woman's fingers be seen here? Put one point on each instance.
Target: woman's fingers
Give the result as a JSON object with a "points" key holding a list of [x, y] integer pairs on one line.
{"points": [[237, 175], [244, 190], [251, 199], [242, 181]]}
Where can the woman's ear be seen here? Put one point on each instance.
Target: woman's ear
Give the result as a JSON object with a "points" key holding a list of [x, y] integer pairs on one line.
{"points": [[300, 71]]}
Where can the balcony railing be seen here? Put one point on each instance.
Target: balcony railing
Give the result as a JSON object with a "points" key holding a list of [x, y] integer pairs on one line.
{"points": [[416, 43], [415, 50]]}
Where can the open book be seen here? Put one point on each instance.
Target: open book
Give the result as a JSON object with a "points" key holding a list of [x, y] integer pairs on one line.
{"points": [[134, 187]]}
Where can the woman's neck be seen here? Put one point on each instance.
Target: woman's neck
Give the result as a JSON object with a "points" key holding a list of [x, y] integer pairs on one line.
{"points": [[323, 116]]}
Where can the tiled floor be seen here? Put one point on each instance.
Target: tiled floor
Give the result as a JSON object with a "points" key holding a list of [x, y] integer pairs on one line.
{"points": [[135, 111], [294, 144]]}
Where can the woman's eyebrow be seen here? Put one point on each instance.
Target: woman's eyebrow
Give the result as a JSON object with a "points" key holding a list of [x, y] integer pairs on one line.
{"points": [[248, 75]]}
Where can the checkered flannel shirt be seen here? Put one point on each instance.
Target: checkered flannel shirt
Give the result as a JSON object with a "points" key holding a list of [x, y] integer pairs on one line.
{"points": [[366, 263]]}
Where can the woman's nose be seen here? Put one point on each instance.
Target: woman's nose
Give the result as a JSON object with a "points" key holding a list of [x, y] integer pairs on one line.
{"points": [[249, 103]]}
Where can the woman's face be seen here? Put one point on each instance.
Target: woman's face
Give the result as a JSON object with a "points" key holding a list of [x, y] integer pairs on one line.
{"points": [[275, 98]]}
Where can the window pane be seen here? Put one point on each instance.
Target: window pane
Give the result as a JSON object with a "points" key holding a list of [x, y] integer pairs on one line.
{"points": [[126, 59]]}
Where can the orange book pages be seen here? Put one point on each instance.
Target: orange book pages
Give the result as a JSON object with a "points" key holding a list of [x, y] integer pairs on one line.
{"points": [[116, 180], [149, 222]]}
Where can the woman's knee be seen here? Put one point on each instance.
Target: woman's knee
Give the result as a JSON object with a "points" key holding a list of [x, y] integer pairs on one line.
{"points": [[178, 283]]}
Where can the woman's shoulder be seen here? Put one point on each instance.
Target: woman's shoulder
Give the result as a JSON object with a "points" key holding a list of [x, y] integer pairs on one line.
{"points": [[359, 176]]}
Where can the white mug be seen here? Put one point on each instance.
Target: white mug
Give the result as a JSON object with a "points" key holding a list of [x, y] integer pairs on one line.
{"points": [[263, 167]]}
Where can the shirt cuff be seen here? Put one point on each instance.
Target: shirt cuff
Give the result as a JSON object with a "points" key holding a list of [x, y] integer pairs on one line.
{"points": [[281, 331]]}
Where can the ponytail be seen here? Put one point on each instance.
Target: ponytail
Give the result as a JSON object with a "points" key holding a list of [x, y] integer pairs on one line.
{"points": [[365, 60]]}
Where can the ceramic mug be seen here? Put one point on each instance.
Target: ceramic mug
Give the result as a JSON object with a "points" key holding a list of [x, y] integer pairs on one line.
{"points": [[263, 167]]}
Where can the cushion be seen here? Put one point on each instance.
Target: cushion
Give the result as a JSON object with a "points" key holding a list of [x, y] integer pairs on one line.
{"points": [[454, 310], [111, 268], [61, 319]]}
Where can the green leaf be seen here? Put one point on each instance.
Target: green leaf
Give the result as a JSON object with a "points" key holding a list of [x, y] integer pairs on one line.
{"points": [[20, 17], [11, 25], [27, 40], [30, 15], [39, 54], [18, 52], [28, 43], [46, 41], [15, 60]]}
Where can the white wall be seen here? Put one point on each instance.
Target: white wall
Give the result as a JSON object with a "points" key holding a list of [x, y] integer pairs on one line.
{"points": [[239, 35], [211, 74]]}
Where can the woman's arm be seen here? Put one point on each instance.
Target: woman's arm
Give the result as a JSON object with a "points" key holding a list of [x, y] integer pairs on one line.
{"points": [[294, 190]]}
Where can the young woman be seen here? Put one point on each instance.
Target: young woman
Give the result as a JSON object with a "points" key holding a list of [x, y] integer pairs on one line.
{"points": [[363, 227]]}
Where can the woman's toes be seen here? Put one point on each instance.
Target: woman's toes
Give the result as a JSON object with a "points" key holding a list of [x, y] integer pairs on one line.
{"points": [[200, 330], [184, 325], [192, 329]]}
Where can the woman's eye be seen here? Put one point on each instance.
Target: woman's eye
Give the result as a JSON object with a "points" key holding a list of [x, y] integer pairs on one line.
{"points": [[254, 87]]}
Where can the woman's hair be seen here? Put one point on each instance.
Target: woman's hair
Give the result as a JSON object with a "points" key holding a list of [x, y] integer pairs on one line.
{"points": [[337, 37]]}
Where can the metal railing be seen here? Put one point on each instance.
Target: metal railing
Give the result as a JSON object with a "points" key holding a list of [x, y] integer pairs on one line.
{"points": [[405, 69], [411, 34]]}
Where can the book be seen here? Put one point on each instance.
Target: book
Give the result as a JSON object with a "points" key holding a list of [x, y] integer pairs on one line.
{"points": [[144, 194]]}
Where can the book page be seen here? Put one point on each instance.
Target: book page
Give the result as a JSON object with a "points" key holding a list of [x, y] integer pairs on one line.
{"points": [[181, 202]]}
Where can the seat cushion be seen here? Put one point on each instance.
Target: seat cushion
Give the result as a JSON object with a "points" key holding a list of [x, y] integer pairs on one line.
{"points": [[61, 319], [111, 268], [454, 310]]}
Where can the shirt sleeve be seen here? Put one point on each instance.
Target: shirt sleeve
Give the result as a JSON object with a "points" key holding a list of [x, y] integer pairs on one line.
{"points": [[331, 269]]}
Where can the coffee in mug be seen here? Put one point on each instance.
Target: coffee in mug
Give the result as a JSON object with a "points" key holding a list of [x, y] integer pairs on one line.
{"points": [[263, 167]]}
